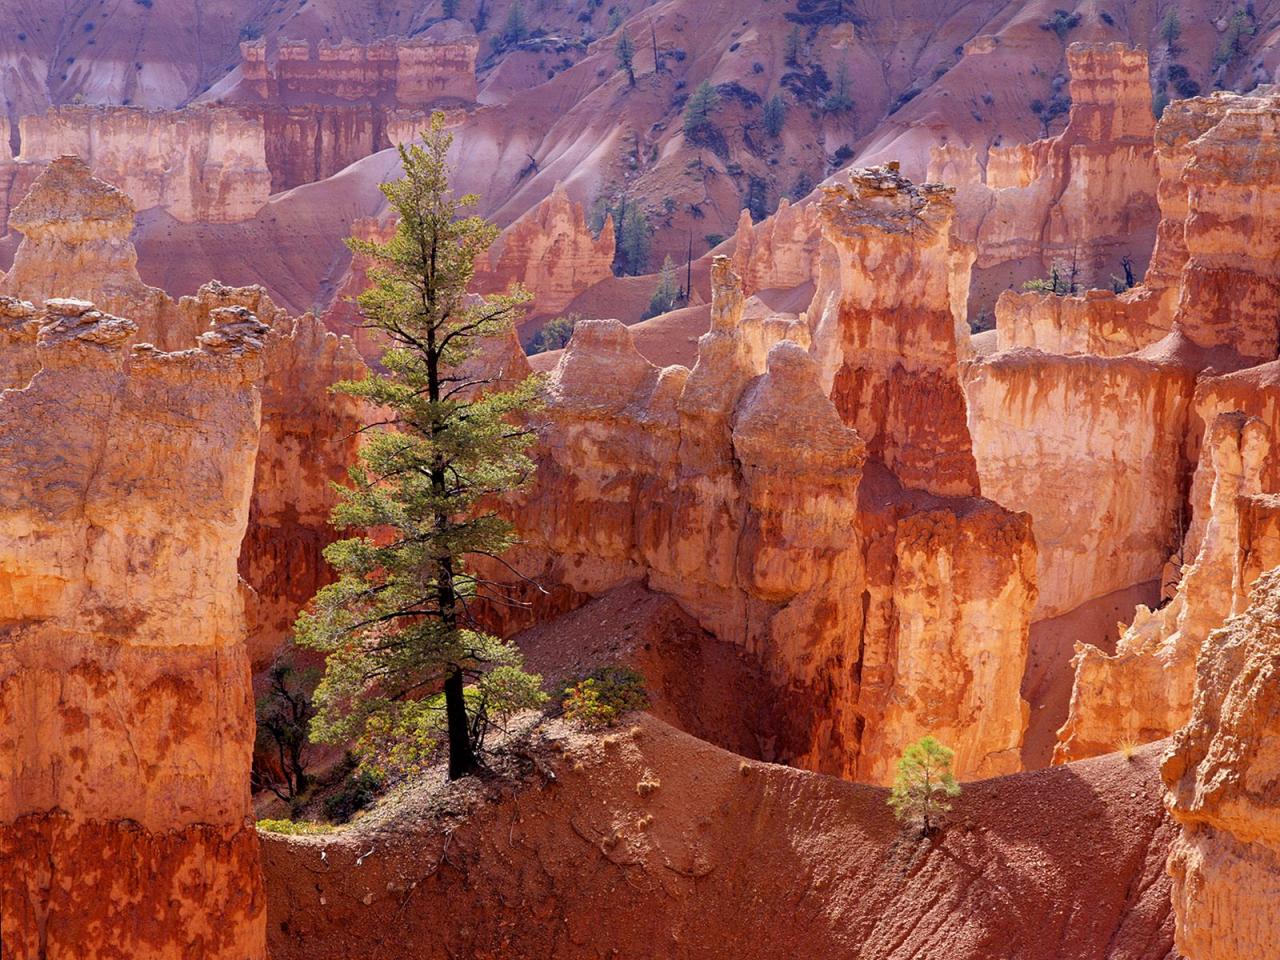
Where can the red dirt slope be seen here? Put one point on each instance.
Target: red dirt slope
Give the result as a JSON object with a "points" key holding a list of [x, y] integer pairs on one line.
{"points": [[651, 844]]}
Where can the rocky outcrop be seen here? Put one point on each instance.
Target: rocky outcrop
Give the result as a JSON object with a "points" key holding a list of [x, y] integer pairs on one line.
{"points": [[1143, 692], [1093, 448], [1230, 285], [1222, 772], [1086, 196], [126, 722], [889, 324], [551, 252], [200, 164], [1096, 322], [75, 243], [735, 488], [781, 252], [322, 108], [407, 72], [309, 439]]}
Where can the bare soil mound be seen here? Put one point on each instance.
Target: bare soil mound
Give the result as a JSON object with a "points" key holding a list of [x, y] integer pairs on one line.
{"points": [[648, 843]]}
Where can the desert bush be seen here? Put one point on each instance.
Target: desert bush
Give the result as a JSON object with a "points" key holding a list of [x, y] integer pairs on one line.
{"points": [[601, 698]]}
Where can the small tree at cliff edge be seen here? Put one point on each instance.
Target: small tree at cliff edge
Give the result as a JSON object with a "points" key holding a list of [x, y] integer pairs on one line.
{"points": [[924, 784], [398, 625]]}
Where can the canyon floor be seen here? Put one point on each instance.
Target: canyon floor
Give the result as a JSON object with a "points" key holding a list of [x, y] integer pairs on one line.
{"points": [[905, 369]]}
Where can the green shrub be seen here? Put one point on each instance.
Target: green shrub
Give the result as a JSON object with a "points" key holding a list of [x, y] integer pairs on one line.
{"points": [[924, 784], [1061, 23], [554, 334], [600, 699], [294, 827], [359, 789]]}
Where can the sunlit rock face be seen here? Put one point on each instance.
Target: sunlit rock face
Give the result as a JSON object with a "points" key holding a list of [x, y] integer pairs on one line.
{"points": [[75, 243], [780, 252], [126, 722], [745, 491], [1230, 288], [1221, 772], [1086, 197], [1144, 691], [325, 106], [1092, 447], [886, 326], [200, 164], [551, 252]]}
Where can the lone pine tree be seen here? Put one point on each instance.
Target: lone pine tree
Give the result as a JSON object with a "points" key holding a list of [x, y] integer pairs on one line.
{"points": [[398, 627], [924, 784]]}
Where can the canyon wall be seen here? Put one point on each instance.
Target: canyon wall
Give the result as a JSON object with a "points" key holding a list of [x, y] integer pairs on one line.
{"points": [[1144, 691], [1086, 196], [409, 72], [1221, 772], [1093, 448], [551, 252], [200, 164], [882, 598], [323, 107], [126, 722]]}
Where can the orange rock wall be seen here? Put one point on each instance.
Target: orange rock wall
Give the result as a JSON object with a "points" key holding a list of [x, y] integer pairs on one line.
{"points": [[200, 164], [551, 252], [1093, 448], [887, 328], [1221, 773], [126, 722]]}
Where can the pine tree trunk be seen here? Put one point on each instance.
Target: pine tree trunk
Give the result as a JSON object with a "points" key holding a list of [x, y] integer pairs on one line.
{"points": [[462, 757]]}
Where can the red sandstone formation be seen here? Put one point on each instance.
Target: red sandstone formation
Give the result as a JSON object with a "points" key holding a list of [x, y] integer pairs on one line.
{"points": [[1221, 771], [889, 325], [551, 252], [76, 243], [125, 719], [1086, 196], [744, 454], [323, 107], [199, 164]]}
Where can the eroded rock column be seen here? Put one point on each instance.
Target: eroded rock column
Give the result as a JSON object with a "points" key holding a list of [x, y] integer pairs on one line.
{"points": [[126, 720]]}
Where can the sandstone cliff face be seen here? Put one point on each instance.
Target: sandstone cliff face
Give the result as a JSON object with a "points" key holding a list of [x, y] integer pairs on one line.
{"points": [[782, 251], [735, 488], [1095, 322], [1087, 195], [76, 243], [408, 72], [126, 723], [322, 108], [1230, 283], [1221, 773], [200, 164], [550, 250], [1144, 691], [1093, 448], [887, 319]]}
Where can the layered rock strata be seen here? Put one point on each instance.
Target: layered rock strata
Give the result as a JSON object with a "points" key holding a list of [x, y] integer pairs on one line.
{"points": [[1221, 773], [1087, 196], [551, 252], [1143, 692], [322, 108], [889, 324], [736, 488], [126, 721], [200, 164]]}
